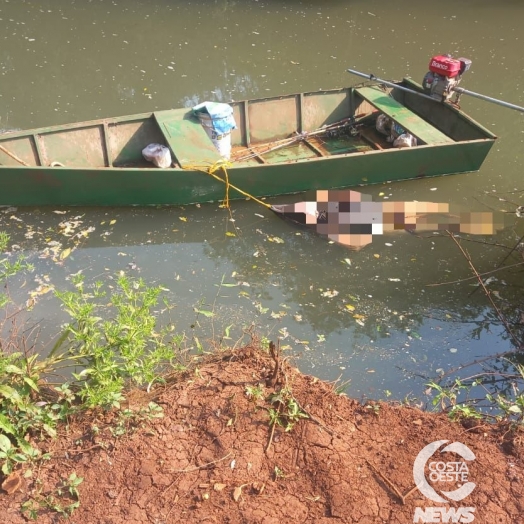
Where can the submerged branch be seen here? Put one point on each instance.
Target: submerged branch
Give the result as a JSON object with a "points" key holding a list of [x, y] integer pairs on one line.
{"points": [[477, 275], [515, 340]]}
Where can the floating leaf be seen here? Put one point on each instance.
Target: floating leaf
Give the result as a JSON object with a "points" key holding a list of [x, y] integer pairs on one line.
{"points": [[277, 240], [30, 304], [42, 289], [261, 309], [349, 307], [65, 253], [85, 232], [205, 312], [376, 256], [184, 219], [112, 222], [230, 234]]}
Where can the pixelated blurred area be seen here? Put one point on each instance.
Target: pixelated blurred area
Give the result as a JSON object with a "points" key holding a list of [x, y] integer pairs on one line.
{"points": [[352, 218]]}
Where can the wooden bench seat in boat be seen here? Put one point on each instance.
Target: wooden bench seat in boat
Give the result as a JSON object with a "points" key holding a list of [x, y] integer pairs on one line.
{"points": [[408, 120], [187, 138]]}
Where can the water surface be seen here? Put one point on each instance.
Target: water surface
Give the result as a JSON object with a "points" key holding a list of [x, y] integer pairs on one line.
{"points": [[368, 316]]}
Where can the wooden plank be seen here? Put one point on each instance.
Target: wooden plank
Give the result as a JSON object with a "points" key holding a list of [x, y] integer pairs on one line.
{"points": [[314, 148], [257, 156], [187, 138], [408, 120]]}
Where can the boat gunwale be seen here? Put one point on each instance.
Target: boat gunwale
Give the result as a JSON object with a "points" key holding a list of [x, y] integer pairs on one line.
{"points": [[144, 116], [75, 126]]}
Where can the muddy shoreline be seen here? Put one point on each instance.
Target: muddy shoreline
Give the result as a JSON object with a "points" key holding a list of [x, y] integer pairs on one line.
{"points": [[215, 456]]}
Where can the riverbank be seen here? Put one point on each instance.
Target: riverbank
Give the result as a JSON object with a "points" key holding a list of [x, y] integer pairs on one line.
{"points": [[221, 453]]}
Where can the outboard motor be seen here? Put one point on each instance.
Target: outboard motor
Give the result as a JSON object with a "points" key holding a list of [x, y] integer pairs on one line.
{"points": [[445, 73]]}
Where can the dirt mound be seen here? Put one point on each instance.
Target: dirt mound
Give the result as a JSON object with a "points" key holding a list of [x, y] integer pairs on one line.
{"points": [[214, 457]]}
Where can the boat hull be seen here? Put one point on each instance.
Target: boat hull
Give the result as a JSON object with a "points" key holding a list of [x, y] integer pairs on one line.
{"points": [[34, 186]]}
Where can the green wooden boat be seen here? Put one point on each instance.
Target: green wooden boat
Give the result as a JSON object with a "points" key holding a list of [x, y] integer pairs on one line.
{"points": [[287, 144]]}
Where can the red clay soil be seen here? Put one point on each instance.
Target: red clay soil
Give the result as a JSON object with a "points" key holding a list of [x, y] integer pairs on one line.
{"points": [[212, 458]]}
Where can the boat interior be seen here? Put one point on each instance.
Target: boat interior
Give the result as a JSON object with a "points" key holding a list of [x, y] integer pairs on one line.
{"points": [[344, 121], [272, 130]]}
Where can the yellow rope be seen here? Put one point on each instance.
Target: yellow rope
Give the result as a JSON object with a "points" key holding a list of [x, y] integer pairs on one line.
{"points": [[223, 165]]}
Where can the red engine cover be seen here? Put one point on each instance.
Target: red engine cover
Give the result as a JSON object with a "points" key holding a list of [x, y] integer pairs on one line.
{"points": [[445, 66]]}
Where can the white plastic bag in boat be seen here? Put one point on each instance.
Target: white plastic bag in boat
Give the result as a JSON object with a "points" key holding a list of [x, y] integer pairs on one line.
{"points": [[221, 142], [217, 120], [405, 140], [158, 154]]}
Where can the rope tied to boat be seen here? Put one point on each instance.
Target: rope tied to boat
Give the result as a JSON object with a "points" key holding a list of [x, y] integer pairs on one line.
{"points": [[13, 156], [223, 165]]}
